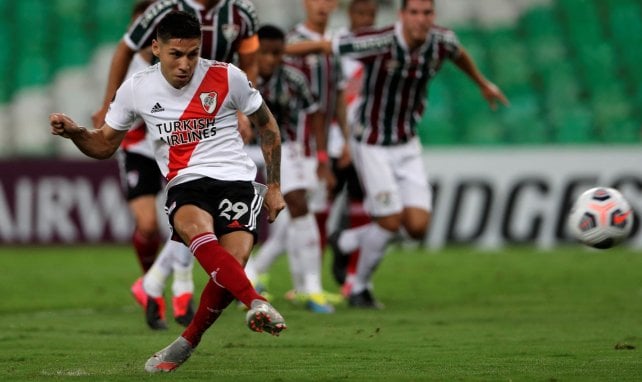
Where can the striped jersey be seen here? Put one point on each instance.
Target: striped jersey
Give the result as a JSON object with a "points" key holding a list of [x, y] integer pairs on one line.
{"points": [[322, 71], [224, 26], [395, 79], [353, 78], [289, 98], [193, 129]]}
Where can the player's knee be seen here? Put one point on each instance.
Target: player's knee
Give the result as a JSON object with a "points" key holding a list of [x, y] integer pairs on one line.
{"points": [[147, 227], [418, 232], [417, 228], [190, 221]]}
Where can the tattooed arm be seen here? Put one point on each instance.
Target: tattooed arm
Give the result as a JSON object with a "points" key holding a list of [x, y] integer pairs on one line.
{"points": [[270, 140]]}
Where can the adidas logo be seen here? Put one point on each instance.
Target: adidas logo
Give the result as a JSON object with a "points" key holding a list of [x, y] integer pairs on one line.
{"points": [[157, 108], [235, 224]]}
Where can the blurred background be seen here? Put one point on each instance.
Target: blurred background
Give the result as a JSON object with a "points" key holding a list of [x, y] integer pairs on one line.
{"points": [[571, 69]]}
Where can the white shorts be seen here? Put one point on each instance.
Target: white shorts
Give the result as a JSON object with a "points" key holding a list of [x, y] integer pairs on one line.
{"points": [[295, 171], [393, 177], [318, 193]]}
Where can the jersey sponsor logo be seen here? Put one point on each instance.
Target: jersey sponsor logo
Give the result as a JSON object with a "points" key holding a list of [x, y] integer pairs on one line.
{"points": [[186, 131], [230, 31], [157, 108], [209, 101], [153, 11]]}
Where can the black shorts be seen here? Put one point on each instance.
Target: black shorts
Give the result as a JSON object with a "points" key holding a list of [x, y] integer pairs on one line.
{"points": [[234, 205], [139, 175]]}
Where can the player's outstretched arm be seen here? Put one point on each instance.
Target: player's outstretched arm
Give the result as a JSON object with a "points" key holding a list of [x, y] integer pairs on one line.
{"points": [[490, 91], [117, 71], [303, 48], [270, 139], [99, 143]]}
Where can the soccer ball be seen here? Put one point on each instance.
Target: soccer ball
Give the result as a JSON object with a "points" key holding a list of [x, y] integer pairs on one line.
{"points": [[601, 218]]}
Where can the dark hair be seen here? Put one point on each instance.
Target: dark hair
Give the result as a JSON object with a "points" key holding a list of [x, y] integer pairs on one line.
{"points": [[178, 24], [270, 32], [140, 7], [353, 3], [404, 3]]}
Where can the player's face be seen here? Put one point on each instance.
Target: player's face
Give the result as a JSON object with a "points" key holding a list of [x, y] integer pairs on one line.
{"points": [[417, 19], [362, 14], [178, 59], [318, 11], [270, 56]]}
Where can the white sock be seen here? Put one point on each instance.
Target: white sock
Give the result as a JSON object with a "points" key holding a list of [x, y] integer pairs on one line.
{"points": [[155, 279], [263, 259], [350, 239], [338, 212], [182, 266], [294, 257], [372, 249], [303, 245], [250, 269]]}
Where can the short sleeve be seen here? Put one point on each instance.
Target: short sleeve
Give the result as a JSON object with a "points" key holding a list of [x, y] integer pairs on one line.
{"points": [[247, 12], [450, 45], [121, 114], [142, 31], [363, 46], [245, 97]]}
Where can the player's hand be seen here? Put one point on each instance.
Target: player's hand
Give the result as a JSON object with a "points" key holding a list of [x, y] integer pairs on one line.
{"points": [[98, 118], [273, 202], [346, 158], [62, 125], [324, 173], [492, 93]]}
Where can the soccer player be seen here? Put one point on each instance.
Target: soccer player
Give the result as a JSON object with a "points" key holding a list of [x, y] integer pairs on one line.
{"points": [[324, 75], [212, 200], [229, 34], [142, 182], [140, 176], [348, 193], [286, 92], [399, 61]]}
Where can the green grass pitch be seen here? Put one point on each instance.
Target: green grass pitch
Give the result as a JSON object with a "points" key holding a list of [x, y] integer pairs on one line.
{"points": [[458, 314]]}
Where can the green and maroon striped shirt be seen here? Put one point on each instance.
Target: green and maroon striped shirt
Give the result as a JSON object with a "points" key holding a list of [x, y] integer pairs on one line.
{"points": [[395, 79], [324, 74], [223, 27], [287, 94]]}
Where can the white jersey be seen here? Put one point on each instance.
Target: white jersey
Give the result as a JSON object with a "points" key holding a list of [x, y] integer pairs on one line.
{"points": [[135, 141], [193, 129]]}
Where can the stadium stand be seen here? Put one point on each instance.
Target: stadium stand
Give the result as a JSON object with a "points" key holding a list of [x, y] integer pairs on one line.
{"points": [[569, 67]]}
